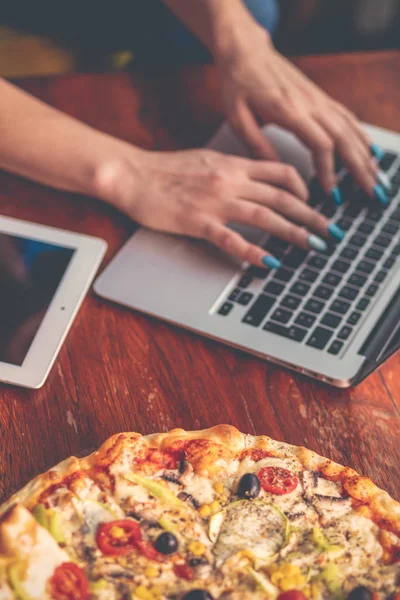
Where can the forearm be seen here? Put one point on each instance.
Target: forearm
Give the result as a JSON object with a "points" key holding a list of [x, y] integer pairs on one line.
{"points": [[220, 24], [43, 144]]}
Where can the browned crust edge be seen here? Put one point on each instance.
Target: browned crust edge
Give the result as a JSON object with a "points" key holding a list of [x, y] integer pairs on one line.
{"points": [[361, 489]]}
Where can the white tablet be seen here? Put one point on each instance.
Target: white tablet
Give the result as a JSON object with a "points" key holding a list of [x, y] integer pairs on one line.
{"points": [[44, 276]]}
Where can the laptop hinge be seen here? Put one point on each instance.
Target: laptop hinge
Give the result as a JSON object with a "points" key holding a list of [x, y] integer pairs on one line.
{"points": [[384, 331]]}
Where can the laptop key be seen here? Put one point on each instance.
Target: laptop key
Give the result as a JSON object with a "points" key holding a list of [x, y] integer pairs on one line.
{"points": [[295, 258], [366, 228], [283, 316], [387, 161], [308, 275], [344, 333], [257, 272], [382, 240], [305, 320], [245, 298], [300, 288], [395, 215], [345, 224], [354, 318], [396, 250], [348, 293], [319, 338], [341, 266], [323, 292], [363, 303], [357, 240], [349, 253], [371, 290], [290, 302], [331, 320], [317, 262], [374, 254], [365, 266], [234, 295], [294, 333], [335, 347], [274, 288], [380, 276], [357, 280], [339, 306], [314, 306], [283, 275], [225, 309], [259, 310], [391, 228], [245, 281], [389, 262], [332, 279]]}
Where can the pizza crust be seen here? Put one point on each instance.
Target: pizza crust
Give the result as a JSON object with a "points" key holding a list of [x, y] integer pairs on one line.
{"points": [[216, 446]]}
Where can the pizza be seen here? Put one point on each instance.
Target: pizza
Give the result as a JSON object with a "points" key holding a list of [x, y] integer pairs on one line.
{"points": [[202, 515]]}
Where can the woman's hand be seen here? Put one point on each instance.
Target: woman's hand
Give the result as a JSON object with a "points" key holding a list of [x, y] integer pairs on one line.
{"points": [[260, 85], [197, 192]]}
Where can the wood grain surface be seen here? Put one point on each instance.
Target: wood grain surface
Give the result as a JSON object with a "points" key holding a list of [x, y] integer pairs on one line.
{"points": [[120, 370]]}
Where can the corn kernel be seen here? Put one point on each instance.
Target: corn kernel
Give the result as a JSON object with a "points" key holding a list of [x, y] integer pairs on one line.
{"points": [[287, 577], [215, 506], [196, 548], [143, 593], [117, 532], [151, 572], [219, 488], [204, 511]]}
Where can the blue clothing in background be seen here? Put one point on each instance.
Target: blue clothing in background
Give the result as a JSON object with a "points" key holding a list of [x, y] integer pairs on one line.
{"points": [[175, 44]]}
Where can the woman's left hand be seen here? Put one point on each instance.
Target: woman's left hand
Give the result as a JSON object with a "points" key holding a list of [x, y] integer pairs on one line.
{"points": [[260, 85]]}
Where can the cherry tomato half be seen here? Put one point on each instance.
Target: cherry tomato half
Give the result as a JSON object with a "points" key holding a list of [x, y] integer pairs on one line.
{"points": [[69, 583], [118, 537], [292, 595], [277, 480]]}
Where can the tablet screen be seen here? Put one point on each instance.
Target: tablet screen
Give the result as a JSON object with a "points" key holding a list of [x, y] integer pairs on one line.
{"points": [[30, 273]]}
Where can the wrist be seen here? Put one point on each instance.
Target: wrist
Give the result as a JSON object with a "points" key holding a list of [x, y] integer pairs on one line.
{"points": [[118, 173]]}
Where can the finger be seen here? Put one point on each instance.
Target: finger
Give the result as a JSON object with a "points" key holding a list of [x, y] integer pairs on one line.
{"points": [[267, 219], [245, 125], [281, 174], [233, 243], [320, 143], [353, 153], [287, 205]]}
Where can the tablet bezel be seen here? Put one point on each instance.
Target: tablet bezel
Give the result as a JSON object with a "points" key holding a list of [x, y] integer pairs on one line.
{"points": [[89, 252]]}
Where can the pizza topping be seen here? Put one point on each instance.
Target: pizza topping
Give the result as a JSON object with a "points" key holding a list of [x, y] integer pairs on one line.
{"points": [[197, 595], [118, 537], [166, 543], [15, 577], [50, 520], [158, 490], [360, 593], [277, 480], [292, 595], [69, 583], [249, 486], [182, 570]]}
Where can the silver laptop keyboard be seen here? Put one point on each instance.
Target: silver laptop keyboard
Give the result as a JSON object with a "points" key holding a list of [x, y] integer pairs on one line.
{"points": [[321, 299]]}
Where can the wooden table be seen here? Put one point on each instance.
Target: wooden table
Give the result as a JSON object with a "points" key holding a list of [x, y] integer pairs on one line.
{"points": [[120, 370]]}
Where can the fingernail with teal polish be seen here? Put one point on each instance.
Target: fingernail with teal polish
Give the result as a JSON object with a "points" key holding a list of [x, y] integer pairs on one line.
{"points": [[384, 180], [337, 196], [317, 243], [336, 232], [377, 151], [271, 262], [380, 194]]}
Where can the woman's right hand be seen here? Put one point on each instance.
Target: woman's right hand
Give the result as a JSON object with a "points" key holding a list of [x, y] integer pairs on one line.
{"points": [[197, 192]]}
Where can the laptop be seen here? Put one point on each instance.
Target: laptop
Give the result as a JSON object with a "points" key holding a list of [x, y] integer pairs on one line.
{"points": [[332, 316]]}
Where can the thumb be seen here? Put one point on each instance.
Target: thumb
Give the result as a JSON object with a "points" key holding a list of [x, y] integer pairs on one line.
{"points": [[245, 125]]}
